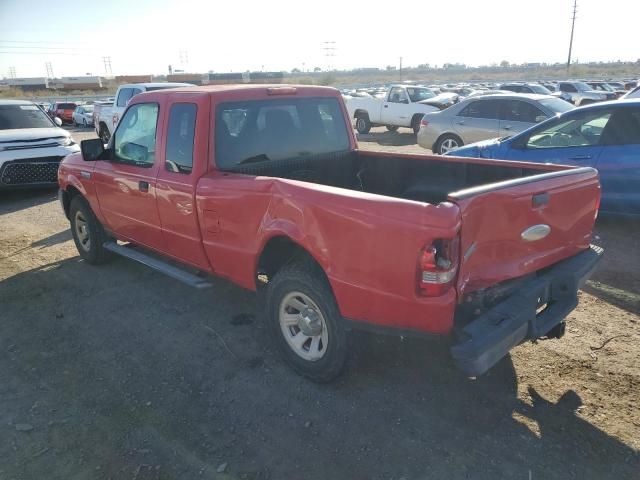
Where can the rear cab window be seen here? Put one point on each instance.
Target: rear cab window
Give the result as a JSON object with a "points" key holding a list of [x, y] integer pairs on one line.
{"points": [[180, 135], [270, 130], [124, 96]]}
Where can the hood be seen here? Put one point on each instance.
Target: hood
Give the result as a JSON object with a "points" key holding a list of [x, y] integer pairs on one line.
{"points": [[442, 101], [35, 135]]}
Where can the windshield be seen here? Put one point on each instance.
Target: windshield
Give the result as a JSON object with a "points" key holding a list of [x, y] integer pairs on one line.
{"points": [[540, 89], [582, 87], [266, 130], [557, 105], [88, 108], [66, 106], [419, 94], [23, 116]]}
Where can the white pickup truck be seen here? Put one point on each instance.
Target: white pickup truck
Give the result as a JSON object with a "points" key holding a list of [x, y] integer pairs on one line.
{"points": [[401, 106], [106, 118]]}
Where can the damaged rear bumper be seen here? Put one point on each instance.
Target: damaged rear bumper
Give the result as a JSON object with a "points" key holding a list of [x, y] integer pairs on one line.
{"points": [[488, 338]]}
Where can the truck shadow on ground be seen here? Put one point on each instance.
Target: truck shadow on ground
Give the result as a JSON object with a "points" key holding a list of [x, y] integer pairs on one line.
{"points": [[16, 200], [401, 137], [115, 367]]}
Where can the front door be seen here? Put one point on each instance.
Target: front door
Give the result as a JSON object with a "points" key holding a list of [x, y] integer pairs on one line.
{"points": [[125, 184], [477, 121], [395, 111]]}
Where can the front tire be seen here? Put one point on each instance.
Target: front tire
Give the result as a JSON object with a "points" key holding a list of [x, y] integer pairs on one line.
{"points": [[305, 323], [84, 123], [447, 143], [88, 234]]}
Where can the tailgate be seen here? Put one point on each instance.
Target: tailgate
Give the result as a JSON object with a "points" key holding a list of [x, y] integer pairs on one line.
{"points": [[516, 227]]}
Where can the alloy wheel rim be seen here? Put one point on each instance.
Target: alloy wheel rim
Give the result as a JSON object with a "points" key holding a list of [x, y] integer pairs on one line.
{"points": [[303, 326], [82, 231], [447, 145]]}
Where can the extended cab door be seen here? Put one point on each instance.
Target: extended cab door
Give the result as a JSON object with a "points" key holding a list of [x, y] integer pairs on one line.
{"points": [[183, 160], [395, 110], [125, 184]]}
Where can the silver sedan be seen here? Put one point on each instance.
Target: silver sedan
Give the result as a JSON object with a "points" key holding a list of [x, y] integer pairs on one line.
{"points": [[481, 118]]}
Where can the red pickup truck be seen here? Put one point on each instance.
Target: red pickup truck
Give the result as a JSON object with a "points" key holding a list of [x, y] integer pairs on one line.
{"points": [[265, 185]]}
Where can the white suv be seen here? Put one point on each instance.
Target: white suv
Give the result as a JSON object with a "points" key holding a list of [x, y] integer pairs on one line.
{"points": [[31, 145]]}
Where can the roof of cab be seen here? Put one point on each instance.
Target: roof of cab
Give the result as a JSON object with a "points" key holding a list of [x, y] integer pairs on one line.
{"points": [[212, 89]]}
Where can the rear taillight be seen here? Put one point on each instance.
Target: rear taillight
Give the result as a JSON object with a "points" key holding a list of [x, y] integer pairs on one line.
{"points": [[424, 122], [437, 267]]}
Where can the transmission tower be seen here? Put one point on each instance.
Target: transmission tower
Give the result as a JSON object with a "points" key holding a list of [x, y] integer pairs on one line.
{"points": [[107, 65], [184, 58], [573, 24], [12, 72], [329, 52], [49, 68]]}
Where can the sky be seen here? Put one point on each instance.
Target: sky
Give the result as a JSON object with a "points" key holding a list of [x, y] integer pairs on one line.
{"points": [[145, 36]]}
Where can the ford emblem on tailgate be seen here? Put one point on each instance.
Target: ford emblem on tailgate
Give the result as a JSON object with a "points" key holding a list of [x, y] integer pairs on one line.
{"points": [[537, 232]]}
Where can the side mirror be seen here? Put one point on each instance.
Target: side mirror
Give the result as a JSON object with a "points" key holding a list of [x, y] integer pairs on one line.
{"points": [[541, 118], [92, 149], [57, 121]]}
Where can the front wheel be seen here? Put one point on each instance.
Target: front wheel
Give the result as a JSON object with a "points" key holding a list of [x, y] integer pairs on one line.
{"points": [[88, 234], [305, 322], [446, 143]]}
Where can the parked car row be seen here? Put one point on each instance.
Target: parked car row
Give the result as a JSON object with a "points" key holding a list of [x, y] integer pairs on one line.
{"points": [[604, 135], [71, 113]]}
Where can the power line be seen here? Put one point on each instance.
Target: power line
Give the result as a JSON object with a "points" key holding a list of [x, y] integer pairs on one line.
{"points": [[573, 24]]}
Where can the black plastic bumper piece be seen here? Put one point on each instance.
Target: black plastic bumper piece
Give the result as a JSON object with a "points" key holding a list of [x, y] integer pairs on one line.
{"points": [[529, 313]]}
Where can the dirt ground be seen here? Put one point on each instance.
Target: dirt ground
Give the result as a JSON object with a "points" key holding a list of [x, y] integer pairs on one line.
{"points": [[117, 372]]}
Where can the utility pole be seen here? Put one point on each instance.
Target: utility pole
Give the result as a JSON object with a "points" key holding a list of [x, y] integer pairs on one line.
{"points": [[49, 68], [400, 68], [107, 65], [573, 24]]}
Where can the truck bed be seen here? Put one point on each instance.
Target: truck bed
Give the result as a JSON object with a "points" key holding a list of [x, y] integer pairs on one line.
{"points": [[422, 178]]}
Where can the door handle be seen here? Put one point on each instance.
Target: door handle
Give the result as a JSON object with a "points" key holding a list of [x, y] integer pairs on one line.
{"points": [[507, 127], [143, 186], [580, 157], [386, 106]]}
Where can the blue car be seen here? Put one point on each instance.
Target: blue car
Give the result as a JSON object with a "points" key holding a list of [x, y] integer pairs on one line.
{"points": [[604, 135]]}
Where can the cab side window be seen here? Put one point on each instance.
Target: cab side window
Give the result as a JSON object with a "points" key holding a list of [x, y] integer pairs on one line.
{"points": [[398, 95], [180, 135], [135, 137], [124, 96]]}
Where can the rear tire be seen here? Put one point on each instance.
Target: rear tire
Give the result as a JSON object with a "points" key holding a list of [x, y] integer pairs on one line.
{"points": [[88, 233], [415, 124], [311, 337], [447, 142], [363, 125], [104, 134], [392, 128], [74, 123], [84, 123]]}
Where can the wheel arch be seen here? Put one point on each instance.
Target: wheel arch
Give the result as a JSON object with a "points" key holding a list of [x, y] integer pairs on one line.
{"points": [[280, 250]]}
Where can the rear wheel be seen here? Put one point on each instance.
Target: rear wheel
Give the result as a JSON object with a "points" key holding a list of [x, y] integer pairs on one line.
{"points": [[363, 125], [305, 322], [446, 143], [88, 234], [415, 124], [104, 134], [84, 123], [392, 128], [75, 124]]}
